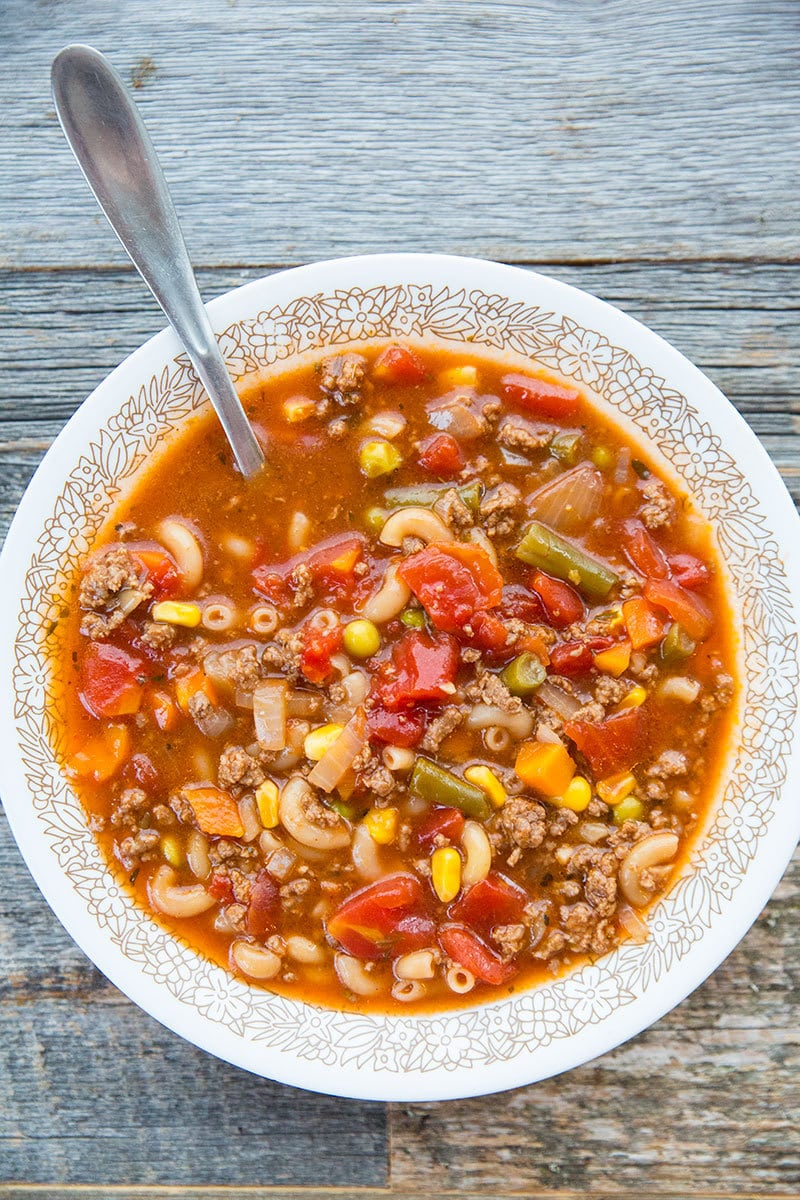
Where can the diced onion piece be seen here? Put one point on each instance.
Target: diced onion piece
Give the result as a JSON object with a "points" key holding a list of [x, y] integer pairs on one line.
{"points": [[633, 924], [623, 465], [338, 758], [269, 713], [680, 687], [556, 698], [569, 502], [454, 417]]}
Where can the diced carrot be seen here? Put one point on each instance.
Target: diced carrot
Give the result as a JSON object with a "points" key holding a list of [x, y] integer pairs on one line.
{"points": [[101, 756], [189, 685], [545, 766], [615, 659], [690, 611], [165, 710], [645, 627], [215, 811]]}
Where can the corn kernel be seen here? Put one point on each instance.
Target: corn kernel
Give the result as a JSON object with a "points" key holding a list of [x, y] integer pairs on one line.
{"points": [[382, 825], [175, 612], [629, 809], [488, 782], [446, 873], [378, 457], [458, 377], [616, 787], [615, 660], [576, 796], [267, 796], [319, 740], [298, 408], [636, 696], [172, 850]]}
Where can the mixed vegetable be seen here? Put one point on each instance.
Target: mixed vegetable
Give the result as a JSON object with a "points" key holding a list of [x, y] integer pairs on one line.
{"points": [[430, 706]]}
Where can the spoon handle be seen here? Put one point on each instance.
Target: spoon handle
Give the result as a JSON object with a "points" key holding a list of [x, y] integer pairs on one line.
{"points": [[114, 151]]}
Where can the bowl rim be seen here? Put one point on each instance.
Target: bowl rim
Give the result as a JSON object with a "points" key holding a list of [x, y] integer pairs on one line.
{"points": [[475, 277]]}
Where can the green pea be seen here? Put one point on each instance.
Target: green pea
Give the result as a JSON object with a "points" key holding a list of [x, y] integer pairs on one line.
{"points": [[375, 519], [414, 618], [602, 457], [362, 639]]}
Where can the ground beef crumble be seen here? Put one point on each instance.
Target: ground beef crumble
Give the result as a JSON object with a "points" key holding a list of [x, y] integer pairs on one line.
{"points": [[238, 768], [341, 376], [517, 434], [498, 508], [107, 576], [524, 822], [440, 728], [453, 511], [659, 509]]}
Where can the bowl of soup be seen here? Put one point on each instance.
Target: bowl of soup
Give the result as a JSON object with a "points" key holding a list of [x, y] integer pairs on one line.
{"points": [[457, 745]]}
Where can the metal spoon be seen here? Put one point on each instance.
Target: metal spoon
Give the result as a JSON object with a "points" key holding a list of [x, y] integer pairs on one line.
{"points": [[114, 151]]}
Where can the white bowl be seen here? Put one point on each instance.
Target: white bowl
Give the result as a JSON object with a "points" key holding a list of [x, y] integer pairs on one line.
{"points": [[661, 399]]}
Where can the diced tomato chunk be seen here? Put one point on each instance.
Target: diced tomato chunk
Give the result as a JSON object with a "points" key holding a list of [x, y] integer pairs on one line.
{"points": [[140, 767], [576, 658], [221, 888], [264, 906], [643, 551], [452, 582], [319, 646], [160, 568], [396, 728], [611, 745], [539, 397], [448, 822], [489, 634], [422, 669], [474, 956], [111, 682], [520, 603], [398, 364], [688, 571], [495, 900], [690, 611], [441, 454], [563, 604], [331, 564], [383, 918]]}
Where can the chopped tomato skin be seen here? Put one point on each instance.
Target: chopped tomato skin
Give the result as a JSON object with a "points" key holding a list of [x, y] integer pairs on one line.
{"points": [[140, 768], [161, 570], [422, 669], [263, 908], [447, 822], [398, 364], [441, 454], [611, 745], [576, 658], [688, 571], [643, 551], [221, 888], [469, 952], [111, 683], [523, 605], [562, 603], [383, 919], [689, 610], [541, 398], [495, 900], [396, 728], [319, 646], [452, 582], [490, 634], [331, 564]]}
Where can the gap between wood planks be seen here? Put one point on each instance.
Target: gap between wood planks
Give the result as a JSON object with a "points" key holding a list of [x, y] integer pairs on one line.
{"points": [[77, 1191]]}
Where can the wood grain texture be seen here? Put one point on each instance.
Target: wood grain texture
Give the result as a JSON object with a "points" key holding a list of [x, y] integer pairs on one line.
{"points": [[510, 129]]}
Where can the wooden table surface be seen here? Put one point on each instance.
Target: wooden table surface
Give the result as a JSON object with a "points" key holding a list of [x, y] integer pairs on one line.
{"points": [[648, 152]]}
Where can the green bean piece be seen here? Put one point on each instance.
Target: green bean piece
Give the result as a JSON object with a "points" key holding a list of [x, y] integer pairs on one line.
{"points": [[565, 447], [414, 618], [523, 675], [425, 495], [350, 812], [677, 645], [542, 548], [431, 782]]}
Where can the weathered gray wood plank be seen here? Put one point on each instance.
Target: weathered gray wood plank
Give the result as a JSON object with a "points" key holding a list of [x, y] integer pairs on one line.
{"points": [[520, 131]]}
